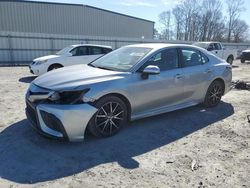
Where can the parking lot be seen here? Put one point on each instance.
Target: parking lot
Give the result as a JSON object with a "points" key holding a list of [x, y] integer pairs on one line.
{"points": [[193, 147]]}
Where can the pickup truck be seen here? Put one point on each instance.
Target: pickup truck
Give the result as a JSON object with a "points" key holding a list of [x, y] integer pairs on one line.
{"points": [[218, 49]]}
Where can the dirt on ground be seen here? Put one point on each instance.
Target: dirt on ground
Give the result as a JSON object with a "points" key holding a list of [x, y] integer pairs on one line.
{"points": [[193, 147]]}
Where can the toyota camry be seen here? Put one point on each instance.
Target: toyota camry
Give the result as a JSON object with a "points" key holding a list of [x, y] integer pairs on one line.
{"points": [[130, 83]]}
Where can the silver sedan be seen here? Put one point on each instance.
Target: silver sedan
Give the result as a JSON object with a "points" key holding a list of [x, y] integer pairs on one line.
{"points": [[132, 82]]}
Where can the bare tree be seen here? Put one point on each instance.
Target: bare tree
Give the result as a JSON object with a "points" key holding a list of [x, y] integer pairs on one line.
{"points": [[234, 8], [239, 30], [190, 11], [156, 34], [197, 20], [211, 19], [178, 21], [165, 18]]}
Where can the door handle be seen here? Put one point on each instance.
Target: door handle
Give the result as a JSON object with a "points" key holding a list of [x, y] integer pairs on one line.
{"points": [[208, 71], [178, 76]]}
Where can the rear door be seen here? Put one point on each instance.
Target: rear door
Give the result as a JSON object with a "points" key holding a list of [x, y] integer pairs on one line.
{"points": [[196, 71]]}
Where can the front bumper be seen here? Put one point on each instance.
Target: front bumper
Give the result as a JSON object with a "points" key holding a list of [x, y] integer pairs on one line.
{"points": [[38, 69], [67, 122]]}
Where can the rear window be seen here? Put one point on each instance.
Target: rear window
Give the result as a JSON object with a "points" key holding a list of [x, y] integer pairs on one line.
{"points": [[95, 50]]}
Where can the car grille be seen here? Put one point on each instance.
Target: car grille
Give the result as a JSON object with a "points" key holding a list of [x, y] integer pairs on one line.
{"points": [[246, 55]]}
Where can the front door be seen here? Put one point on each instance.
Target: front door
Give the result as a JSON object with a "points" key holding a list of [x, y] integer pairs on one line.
{"points": [[162, 90], [80, 55]]}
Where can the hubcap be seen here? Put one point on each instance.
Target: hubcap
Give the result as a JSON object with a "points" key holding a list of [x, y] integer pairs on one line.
{"points": [[109, 118], [215, 94]]}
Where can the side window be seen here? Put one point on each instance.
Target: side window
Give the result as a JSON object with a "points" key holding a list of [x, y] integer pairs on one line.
{"points": [[106, 50], [82, 50], [79, 51], [210, 47], [95, 50], [217, 46], [191, 57], [165, 60], [73, 51]]}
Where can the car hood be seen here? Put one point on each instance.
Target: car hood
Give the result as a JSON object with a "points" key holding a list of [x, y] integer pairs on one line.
{"points": [[43, 58], [75, 76]]}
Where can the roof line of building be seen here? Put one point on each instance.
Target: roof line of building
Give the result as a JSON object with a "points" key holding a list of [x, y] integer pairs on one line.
{"points": [[71, 4]]}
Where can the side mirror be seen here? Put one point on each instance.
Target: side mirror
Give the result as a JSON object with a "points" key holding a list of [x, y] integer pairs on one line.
{"points": [[150, 69]]}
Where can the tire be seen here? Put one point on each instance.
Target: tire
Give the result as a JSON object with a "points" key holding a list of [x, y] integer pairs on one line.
{"points": [[230, 59], [214, 94], [54, 66], [242, 60], [111, 116]]}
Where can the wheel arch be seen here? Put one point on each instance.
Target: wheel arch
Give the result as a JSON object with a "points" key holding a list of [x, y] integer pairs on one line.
{"points": [[54, 64], [220, 80], [123, 98]]}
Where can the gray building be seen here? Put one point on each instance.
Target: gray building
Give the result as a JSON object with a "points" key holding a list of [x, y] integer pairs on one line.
{"points": [[70, 19], [33, 29]]}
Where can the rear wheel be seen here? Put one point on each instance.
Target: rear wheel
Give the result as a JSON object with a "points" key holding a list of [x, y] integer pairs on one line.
{"points": [[110, 117], [242, 60], [54, 66], [230, 59], [214, 94]]}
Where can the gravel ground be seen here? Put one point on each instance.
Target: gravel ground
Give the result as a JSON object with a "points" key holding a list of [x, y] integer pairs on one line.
{"points": [[152, 152]]}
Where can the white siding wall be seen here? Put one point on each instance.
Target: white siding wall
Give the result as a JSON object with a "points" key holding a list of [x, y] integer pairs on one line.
{"points": [[22, 48]]}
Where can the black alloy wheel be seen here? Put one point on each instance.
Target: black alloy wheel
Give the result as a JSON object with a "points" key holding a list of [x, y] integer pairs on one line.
{"points": [[214, 94], [110, 117]]}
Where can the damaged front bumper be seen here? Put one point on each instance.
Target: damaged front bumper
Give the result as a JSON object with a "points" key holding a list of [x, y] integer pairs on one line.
{"points": [[67, 122]]}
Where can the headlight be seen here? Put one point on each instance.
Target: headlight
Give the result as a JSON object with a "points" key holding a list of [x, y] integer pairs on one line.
{"points": [[40, 62], [68, 97]]}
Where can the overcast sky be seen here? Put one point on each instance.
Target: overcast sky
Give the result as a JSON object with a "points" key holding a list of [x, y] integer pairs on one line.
{"points": [[146, 9]]}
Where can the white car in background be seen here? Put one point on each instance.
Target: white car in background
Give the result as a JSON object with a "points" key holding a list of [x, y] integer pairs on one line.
{"points": [[71, 55], [219, 50]]}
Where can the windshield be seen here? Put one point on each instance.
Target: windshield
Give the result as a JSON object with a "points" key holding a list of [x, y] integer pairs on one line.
{"points": [[64, 50], [200, 44], [122, 59]]}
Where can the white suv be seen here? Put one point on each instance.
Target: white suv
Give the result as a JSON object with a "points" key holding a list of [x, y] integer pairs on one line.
{"points": [[71, 55]]}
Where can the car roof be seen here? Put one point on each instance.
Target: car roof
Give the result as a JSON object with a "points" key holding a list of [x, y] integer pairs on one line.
{"points": [[207, 42], [94, 45], [157, 46]]}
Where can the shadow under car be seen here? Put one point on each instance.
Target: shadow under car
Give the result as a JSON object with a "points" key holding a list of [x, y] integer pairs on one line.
{"points": [[29, 158]]}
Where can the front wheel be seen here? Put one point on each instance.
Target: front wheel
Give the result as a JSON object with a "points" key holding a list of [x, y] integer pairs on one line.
{"points": [[110, 117], [214, 94], [230, 60]]}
